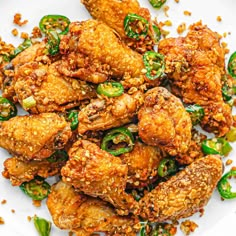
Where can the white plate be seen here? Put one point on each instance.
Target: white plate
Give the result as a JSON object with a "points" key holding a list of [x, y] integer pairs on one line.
{"points": [[220, 217]]}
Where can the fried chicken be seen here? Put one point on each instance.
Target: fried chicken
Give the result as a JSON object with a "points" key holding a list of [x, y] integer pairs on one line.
{"points": [[184, 193], [97, 173], [196, 66], [34, 137], [163, 122], [105, 113], [84, 215], [113, 13]]}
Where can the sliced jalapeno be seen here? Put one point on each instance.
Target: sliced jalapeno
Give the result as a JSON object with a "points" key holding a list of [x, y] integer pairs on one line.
{"points": [[157, 3], [135, 26], [154, 64], [73, 118], [27, 43], [118, 141], [43, 226], [37, 189], [57, 23], [157, 33], [224, 186], [216, 146], [7, 109], [167, 167], [110, 89], [53, 42], [196, 113], [58, 156], [232, 65]]}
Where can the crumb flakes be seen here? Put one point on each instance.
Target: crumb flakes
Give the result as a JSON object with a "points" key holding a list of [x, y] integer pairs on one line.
{"points": [[13, 211], [168, 23], [4, 201], [15, 32], [187, 13], [229, 162], [24, 35], [218, 18], [181, 28], [177, 1], [29, 218], [37, 203], [36, 32], [2, 222], [166, 9], [17, 20], [188, 227]]}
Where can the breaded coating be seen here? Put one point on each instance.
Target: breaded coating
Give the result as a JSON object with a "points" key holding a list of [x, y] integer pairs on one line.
{"points": [[164, 122], [19, 171], [105, 113], [34, 137], [113, 13], [196, 66], [184, 193], [92, 52], [84, 215], [50, 90], [142, 164], [97, 173]]}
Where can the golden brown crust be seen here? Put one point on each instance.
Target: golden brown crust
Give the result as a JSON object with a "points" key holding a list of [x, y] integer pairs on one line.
{"points": [[183, 194], [34, 136], [163, 122]]}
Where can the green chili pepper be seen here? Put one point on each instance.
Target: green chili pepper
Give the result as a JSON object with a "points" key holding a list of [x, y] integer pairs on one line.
{"points": [[224, 186], [57, 23], [37, 189], [73, 118], [167, 167], [154, 64], [232, 65], [196, 113], [157, 35], [110, 89], [43, 226], [53, 42], [157, 3], [7, 109], [27, 43], [231, 135], [58, 156], [216, 146], [143, 228], [135, 26], [118, 141]]}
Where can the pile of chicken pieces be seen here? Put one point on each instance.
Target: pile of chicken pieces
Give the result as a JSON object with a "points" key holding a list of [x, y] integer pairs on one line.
{"points": [[92, 196]]}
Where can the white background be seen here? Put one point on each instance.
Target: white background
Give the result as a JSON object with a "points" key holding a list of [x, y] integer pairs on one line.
{"points": [[220, 217]]}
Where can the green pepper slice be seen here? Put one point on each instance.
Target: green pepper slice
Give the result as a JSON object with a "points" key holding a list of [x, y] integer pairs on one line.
{"points": [[57, 23], [43, 226], [224, 186], [73, 118], [135, 26], [110, 89], [53, 42], [154, 64], [26, 44], [216, 146], [37, 189], [157, 3], [232, 65], [58, 156], [167, 167], [196, 113], [7, 109], [118, 141], [157, 33]]}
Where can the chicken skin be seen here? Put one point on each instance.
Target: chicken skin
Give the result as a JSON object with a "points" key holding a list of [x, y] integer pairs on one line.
{"points": [[84, 215], [196, 66], [163, 122], [183, 194], [34, 137], [113, 13], [97, 173], [106, 113], [19, 171], [92, 52]]}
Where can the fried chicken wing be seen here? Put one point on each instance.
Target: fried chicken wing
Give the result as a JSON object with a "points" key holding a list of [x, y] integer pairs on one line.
{"points": [[84, 215], [34, 136], [183, 194], [113, 13], [19, 171], [106, 113], [92, 52], [196, 66], [163, 122], [97, 173]]}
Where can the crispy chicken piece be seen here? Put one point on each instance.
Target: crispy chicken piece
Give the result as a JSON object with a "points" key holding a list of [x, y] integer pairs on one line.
{"points": [[196, 66], [105, 113], [84, 215], [19, 171], [163, 122], [142, 164], [113, 13], [34, 136], [183, 194], [92, 52], [97, 173]]}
